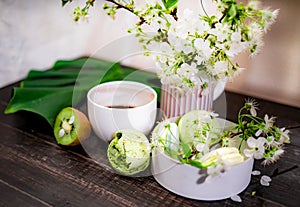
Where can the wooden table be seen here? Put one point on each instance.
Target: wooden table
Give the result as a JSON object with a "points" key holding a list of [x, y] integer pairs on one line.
{"points": [[35, 171]]}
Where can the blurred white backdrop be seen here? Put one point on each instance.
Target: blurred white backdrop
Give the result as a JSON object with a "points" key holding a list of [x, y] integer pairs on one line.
{"points": [[34, 34]]}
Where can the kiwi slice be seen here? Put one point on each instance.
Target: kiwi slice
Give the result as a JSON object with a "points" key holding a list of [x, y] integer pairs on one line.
{"points": [[71, 126]]}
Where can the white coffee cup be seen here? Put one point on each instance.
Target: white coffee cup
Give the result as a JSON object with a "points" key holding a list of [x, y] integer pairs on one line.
{"points": [[117, 105]]}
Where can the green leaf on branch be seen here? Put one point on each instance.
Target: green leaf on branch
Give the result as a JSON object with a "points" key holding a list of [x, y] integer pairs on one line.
{"points": [[232, 12], [169, 3], [64, 2]]}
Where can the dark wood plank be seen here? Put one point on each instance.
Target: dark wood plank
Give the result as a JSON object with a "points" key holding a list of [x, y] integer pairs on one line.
{"points": [[16, 197], [295, 136]]}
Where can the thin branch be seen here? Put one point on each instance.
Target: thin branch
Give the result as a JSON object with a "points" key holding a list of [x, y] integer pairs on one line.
{"points": [[121, 6]]}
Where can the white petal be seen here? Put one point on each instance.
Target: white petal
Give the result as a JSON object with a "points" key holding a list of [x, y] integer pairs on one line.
{"points": [[256, 172], [258, 132], [265, 180], [261, 141], [264, 183], [278, 153], [253, 111], [251, 142], [236, 198], [200, 147], [266, 118], [259, 155]]}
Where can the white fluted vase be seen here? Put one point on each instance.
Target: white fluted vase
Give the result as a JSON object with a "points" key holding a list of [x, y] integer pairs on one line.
{"points": [[175, 102]]}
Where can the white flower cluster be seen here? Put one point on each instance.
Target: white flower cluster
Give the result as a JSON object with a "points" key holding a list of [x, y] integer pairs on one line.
{"points": [[195, 49], [267, 140]]}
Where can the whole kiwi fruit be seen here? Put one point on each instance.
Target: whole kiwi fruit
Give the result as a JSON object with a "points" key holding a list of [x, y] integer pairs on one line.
{"points": [[71, 127]]}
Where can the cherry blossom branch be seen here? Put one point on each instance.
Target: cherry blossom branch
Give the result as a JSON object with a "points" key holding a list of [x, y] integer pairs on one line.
{"points": [[121, 6]]}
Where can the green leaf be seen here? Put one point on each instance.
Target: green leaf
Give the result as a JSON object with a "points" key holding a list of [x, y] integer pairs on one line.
{"points": [[48, 82], [186, 150], [41, 101], [232, 12], [196, 164], [66, 84], [85, 62], [64, 2], [169, 3]]}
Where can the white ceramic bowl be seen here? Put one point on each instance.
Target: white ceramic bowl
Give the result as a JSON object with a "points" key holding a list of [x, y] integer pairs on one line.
{"points": [[188, 181], [118, 105]]}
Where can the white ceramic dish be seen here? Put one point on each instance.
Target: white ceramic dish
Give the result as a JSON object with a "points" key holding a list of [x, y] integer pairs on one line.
{"points": [[189, 181]]}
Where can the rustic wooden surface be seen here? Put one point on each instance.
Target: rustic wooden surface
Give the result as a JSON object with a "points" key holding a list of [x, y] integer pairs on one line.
{"points": [[35, 171]]}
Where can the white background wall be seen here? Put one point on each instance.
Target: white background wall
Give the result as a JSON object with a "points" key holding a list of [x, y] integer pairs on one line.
{"points": [[34, 34]]}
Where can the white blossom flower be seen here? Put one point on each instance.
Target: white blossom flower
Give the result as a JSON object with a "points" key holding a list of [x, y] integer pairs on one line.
{"points": [[275, 14], [235, 45], [202, 27], [269, 18], [256, 146], [204, 48], [200, 59], [186, 24], [188, 49], [236, 48], [255, 35], [202, 147], [273, 158], [221, 31], [277, 154], [179, 44], [252, 106], [236, 37], [187, 70], [284, 138], [219, 68], [216, 170], [269, 122], [165, 48]]}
